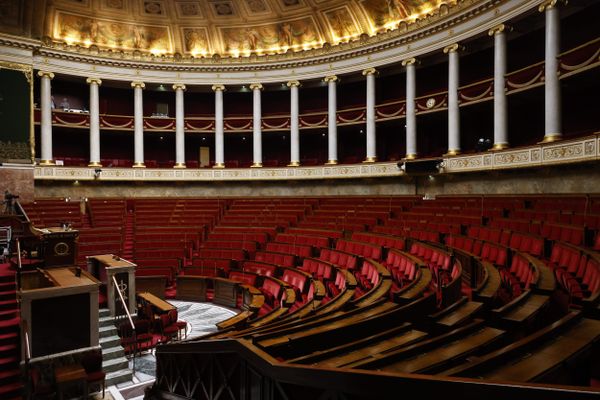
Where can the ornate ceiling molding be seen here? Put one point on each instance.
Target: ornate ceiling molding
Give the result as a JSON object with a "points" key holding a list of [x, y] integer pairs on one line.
{"points": [[471, 18]]}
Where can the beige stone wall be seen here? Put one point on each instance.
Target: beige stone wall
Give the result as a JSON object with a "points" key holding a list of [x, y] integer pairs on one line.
{"points": [[568, 179], [17, 179]]}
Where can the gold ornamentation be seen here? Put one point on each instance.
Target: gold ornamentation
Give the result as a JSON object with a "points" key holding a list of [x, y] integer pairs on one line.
{"points": [[256, 86], [218, 87], [294, 164], [452, 152], [94, 164], [47, 162], [219, 165], [331, 78], [499, 146], [139, 84], [97, 81], [551, 137], [411, 156], [369, 71], [256, 165], [498, 29], [61, 249], [370, 159], [138, 165], [179, 86], [46, 74], [451, 48], [179, 165], [410, 61], [430, 102], [331, 162], [293, 84]]}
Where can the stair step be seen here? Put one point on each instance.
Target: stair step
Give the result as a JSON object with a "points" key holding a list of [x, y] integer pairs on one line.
{"points": [[9, 325], [106, 331], [115, 364], [9, 363], [106, 321], [120, 376], [113, 352], [8, 314], [110, 341], [103, 312], [4, 286]]}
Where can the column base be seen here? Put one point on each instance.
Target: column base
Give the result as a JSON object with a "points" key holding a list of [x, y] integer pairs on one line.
{"points": [[179, 165], [411, 156], [370, 160], [452, 152], [219, 165], [47, 162], [499, 146], [331, 162], [94, 164], [294, 164], [256, 165], [138, 165], [551, 137]]}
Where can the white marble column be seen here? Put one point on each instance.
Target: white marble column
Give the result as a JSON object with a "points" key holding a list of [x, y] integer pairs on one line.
{"points": [[46, 118], [94, 122], [294, 124], [179, 126], [411, 112], [553, 123], [453, 111], [138, 124], [332, 82], [371, 134], [219, 131], [500, 113], [256, 125]]}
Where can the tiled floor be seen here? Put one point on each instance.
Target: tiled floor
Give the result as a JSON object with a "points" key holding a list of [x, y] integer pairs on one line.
{"points": [[201, 318]]}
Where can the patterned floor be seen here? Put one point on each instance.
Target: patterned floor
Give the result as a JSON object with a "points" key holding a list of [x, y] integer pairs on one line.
{"points": [[201, 318]]}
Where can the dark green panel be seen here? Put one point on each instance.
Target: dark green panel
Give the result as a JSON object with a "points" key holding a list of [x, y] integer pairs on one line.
{"points": [[15, 115]]}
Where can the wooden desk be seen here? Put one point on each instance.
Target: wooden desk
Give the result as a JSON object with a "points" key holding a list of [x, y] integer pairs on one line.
{"points": [[69, 374], [161, 305]]}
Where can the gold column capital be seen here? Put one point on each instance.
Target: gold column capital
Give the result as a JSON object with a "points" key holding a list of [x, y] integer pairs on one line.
{"points": [[550, 4], [369, 71], [97, 81], [47, 74], [293, 84], [256, 86], [331, 78], [409, 61], [179, 86], [454, 47], [498, 29], [218, 87], [139, 84]]}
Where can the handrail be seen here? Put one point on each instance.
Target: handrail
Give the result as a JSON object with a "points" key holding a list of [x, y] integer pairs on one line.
{"points": [[129, 317], [19, 264]]}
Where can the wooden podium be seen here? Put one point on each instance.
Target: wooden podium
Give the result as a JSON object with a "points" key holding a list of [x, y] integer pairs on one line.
{"points": [[104, 268]]}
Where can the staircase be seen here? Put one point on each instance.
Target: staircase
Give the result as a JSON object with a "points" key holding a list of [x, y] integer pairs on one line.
{"points": [[114, 362], [11, 384]]}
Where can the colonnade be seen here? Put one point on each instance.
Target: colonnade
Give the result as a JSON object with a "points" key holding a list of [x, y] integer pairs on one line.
{"points": [[498, 33]]}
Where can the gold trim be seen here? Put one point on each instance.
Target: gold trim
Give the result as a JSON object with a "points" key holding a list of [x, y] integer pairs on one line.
{"points": [[89, 81], [452, 48], [47, 162], [256, 165], [411, 156], [550, 4], [551, 137], [254, 86], [331, 78], [219, 165], [370, 160], [140, 84], [331, 162], [47, 74], [452, 152], [94, 164], [499, 146], [294, 164], [218, 87], [179, 165], [293, 84], [138, 165], [369, 71], [410, 61], [179, 86], [498, 29]]}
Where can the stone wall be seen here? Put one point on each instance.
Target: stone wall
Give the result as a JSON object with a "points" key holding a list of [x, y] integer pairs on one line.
{"points": [[17, 179], [583, 178]]}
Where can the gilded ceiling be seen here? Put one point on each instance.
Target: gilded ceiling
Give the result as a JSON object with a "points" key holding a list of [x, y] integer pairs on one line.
{"points": [[225, 27]]}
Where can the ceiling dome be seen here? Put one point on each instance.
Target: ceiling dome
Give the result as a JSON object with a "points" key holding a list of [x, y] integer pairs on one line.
{"points": [[226, 28]]}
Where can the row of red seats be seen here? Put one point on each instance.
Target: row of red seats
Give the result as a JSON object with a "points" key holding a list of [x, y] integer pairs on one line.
{"points": [[360, 248]]}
